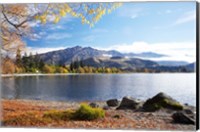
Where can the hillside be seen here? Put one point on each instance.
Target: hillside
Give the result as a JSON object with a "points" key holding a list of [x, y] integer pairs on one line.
{"points": [[125, 61]]}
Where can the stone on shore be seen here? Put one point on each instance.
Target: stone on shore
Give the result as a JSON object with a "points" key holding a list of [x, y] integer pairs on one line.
{"points": [[129, 103], [106, 107], [112, 102], [183, 118], [188, 111], [94, 105], [161, 100]]}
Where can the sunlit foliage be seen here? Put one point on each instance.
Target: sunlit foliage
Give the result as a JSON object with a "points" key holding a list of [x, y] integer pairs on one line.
{"points": [[16, 18], [7, 66]]}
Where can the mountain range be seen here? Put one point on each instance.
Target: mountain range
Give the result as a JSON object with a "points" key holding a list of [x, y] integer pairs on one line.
{"points": [[68, 55], [101, 58]]}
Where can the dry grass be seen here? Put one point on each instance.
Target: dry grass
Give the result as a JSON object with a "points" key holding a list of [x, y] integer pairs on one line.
{"points": [[19, 113]]}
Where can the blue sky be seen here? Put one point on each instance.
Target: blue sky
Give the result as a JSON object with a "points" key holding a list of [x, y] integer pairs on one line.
{"points": [[161, 27]]}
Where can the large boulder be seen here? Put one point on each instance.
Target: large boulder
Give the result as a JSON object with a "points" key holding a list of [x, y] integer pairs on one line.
{"points": [[129, 103], [112, 102], [161, 100], [183, 118]]}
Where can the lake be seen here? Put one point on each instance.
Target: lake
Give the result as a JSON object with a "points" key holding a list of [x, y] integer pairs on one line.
{"points": [[100, 87]]}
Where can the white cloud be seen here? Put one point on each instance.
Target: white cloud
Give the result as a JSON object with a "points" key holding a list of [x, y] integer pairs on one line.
{"points": [[34, 23], [186, 17], [35, 37], [168, 11], [42, 33], [57, 36], [56, 27], [40, 50], [130, 12], [175, 50], [134, 16], [89, 38]]}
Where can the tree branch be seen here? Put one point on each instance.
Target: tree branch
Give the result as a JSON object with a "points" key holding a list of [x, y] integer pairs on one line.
{"points": [[14, 25]]}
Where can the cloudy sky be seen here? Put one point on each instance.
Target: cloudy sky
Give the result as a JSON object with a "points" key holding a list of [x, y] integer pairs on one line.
{"points": [[161, 27]]}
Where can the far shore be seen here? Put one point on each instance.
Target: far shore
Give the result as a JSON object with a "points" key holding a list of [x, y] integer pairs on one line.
{"points": [[64, 74]]}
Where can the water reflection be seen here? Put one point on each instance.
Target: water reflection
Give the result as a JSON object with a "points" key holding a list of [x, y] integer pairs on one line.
{"points": [[100, 87]]}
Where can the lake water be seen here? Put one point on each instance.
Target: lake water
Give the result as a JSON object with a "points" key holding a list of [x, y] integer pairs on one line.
{"points": [[100, 87]]}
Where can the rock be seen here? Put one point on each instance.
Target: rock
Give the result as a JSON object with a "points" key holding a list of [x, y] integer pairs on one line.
{"points": [[112, 102], [181, 117], [188, 111], [94, 105], [117, 116], [161, 100], [106, 107], [129, 103]]}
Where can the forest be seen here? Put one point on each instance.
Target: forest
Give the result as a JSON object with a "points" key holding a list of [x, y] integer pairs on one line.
{"points": [[33, 64]]}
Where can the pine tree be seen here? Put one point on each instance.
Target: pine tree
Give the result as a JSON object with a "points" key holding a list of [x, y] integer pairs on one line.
{"points": [[18, 58]]}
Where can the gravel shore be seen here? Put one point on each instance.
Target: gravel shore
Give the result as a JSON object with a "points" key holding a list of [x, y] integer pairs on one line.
{"points": [[28, 113]]}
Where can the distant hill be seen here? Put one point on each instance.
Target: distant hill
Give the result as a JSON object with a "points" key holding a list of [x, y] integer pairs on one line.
{"points": [[191, 66], [101, 58], [68, 55], [119, 62], [172, 63]]}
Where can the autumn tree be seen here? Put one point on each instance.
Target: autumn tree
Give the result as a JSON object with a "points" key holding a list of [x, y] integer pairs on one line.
{"points": [[48, 69], [16, 18], [8, 66]]}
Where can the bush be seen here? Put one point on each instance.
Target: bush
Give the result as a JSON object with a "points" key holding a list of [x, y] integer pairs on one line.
{"points": [[85, 112], [59, 115], [48, 69]]}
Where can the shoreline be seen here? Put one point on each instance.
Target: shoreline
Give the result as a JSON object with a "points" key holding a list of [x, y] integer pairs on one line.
{"points": [[73, 102], [28, 113], [64, 74]]}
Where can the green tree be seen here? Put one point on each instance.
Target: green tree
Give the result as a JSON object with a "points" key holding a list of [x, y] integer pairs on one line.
{"points": [[18, 58], [25, 62]]}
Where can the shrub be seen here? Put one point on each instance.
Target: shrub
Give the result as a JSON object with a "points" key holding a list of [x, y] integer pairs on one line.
{"points": [[48, 69], [85, 112], [59, 115], [61, 70]]}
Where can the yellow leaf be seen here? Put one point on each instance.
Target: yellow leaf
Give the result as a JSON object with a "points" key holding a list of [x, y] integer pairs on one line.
{"points": [[43, 19], [91, 11], [57, 19], [62, 13], [37, 17]]}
